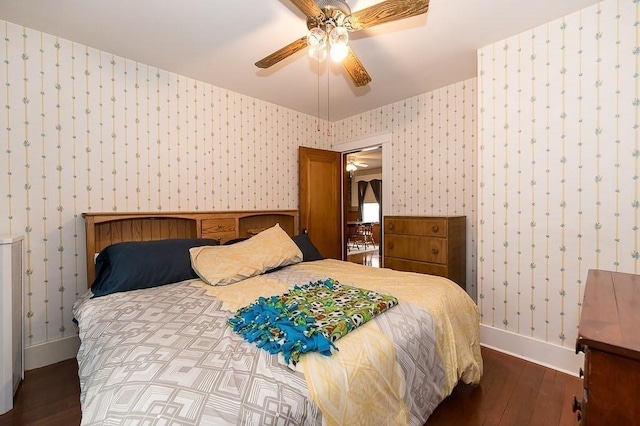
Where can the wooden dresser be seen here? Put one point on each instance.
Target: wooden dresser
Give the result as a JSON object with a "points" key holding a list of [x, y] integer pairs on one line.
{"points": [[609, 336], [433, 245]]}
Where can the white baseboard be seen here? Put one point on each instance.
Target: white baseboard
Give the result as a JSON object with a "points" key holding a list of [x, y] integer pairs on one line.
{"points": [[559, 358], [48, 353]]}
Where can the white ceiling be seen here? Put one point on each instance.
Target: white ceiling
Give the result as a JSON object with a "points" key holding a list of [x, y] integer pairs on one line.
{"points": [[218, 42]]}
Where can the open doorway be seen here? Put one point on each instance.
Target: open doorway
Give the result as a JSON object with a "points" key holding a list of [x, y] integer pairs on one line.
{"points": [[363, 214]]}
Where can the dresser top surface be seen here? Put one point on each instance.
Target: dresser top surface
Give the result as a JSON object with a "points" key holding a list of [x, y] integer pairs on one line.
{"points": [[611, 313]]}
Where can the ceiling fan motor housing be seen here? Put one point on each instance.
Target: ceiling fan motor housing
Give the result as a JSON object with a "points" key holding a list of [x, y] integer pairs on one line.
{"points": [[334, 4], [333, 13]]}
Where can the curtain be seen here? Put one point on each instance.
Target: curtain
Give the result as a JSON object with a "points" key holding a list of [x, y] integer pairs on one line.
{"points": [[376, 186], [362, 189]]}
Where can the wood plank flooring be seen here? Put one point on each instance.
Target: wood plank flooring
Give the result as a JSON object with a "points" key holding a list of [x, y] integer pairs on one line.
{"points": [[48, 396], [369, 258], [512, 392]]}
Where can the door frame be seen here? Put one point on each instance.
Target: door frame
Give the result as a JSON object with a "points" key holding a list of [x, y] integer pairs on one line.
{"points": [[380, 139]]}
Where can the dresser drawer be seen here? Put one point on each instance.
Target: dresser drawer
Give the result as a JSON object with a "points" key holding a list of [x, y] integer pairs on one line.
{"points": [[418, 248], [219, 229], [427, 227], [611, 389], [420, 267]]}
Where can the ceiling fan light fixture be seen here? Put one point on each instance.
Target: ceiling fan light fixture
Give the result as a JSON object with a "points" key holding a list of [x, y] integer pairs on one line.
{"points": [[351, 167], [338, 39], [339, 52]]}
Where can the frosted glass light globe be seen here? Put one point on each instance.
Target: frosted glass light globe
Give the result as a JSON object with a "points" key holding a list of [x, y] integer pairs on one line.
{"points": [[338, 35], [318, 53], [316, 37], [339, 52]]}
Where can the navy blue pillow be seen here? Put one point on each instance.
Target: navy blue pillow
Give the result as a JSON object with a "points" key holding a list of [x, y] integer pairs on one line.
{"points": [[144, 264], [309, 251]]}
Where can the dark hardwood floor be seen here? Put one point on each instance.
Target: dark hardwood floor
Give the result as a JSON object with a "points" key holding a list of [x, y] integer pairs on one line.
{"points": [[512, 392], [47, 396]]}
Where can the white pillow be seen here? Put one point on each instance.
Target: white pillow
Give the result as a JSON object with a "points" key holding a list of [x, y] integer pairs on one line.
{"points": [[222, 265]]}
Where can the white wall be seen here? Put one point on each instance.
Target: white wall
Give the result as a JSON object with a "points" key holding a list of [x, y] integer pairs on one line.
{"points": [[558, 172]]}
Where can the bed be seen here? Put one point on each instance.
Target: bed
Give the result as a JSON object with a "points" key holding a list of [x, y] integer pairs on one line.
{"points": [[166, 354]]}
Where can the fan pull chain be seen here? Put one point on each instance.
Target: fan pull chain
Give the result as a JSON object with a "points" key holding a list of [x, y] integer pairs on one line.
{"points": [[318, 115], [328, 121]]}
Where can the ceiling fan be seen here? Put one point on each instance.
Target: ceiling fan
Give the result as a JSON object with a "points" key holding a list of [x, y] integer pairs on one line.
{"points": [[330, 21], [353, 165]]}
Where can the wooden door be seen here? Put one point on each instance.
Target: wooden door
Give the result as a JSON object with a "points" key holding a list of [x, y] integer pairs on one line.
{"points": [[320, 192]]}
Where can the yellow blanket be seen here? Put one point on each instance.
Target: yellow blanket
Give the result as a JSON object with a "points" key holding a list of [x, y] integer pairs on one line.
{"points": [[363, 383]]}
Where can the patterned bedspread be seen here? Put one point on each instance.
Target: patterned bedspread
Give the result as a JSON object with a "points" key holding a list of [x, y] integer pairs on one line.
{"points": [[165, 355]]}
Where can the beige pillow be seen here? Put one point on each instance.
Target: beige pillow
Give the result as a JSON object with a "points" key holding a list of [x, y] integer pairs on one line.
{"points": [[222, 265]]}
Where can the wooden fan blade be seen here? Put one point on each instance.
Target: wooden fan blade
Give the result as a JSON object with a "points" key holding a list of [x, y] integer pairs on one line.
{"points": [[355, 69], [283, 53], [387, 11], [308, 7]]}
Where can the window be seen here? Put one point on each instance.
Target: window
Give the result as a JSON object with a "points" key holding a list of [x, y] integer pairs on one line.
{"points": [[371, 212]]}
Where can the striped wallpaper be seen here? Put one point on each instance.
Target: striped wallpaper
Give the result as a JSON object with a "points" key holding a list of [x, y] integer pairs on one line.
{"points": [[558, 167], [433, 149], [84, 130]]}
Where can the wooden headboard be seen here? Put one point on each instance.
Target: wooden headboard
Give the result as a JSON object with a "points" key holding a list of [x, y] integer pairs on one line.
{"points": [[104, 229]]}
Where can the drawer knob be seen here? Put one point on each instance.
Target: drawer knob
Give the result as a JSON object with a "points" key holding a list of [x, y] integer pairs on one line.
{"points": [[391, 226], [390, 246], [577, 406], [435, 251], [219, 226], [435, 228]]}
